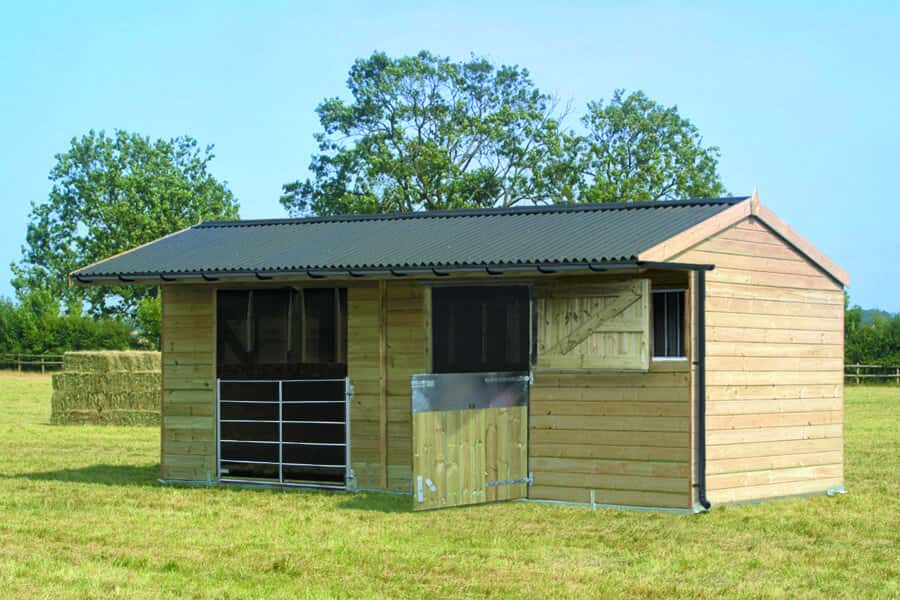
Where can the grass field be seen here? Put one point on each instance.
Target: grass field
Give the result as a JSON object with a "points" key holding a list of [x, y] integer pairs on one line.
{"points": [[81, 515]]}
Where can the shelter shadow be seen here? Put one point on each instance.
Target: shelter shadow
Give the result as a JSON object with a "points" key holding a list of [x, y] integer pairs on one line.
{"points": [[375, 502], [126, 475]]}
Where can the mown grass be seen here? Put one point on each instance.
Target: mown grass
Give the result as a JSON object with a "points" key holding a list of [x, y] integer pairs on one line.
{"points": [[81, 515]]}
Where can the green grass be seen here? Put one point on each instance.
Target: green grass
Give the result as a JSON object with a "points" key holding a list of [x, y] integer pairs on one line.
{"points": [[81, 515]]}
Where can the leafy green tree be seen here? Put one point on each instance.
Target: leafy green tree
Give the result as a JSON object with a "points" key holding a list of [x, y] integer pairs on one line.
{"points": [[875, 343], [35, 326], [426, 133], [635, 149], [423, 132], [149, 319], [111, 193]]}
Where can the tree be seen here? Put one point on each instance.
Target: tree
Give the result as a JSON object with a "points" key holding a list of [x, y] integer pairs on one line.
{"points": [[149, 319], [34, 326], [110, 194], [422, 132], [872, 343], [635, 149]]}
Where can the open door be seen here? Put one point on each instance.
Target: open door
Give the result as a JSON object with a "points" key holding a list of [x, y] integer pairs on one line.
{"points": [[470, 438]]}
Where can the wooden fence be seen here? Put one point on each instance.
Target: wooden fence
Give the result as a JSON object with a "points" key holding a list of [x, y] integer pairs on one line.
{"points": [[872, 374], [32, 362]]}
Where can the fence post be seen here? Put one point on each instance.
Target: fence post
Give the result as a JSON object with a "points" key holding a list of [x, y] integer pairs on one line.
{"points": [[857, 374], [19, 362], [898, 375], [42, 365]]}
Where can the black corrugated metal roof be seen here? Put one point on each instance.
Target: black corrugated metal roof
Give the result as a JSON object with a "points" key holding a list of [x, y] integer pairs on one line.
{"points": [[532, 235]]}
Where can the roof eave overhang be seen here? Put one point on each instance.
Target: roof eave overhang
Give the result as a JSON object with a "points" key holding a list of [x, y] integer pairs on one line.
{"points": [[162, 278]]}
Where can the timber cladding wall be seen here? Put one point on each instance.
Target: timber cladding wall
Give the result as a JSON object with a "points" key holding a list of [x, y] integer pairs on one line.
{"points": [[624, 435], [774, 367], [386, 326], [188, 445]]}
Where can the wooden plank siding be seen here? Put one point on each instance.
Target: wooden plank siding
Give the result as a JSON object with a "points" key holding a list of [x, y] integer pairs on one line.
{"points": [[774, 367], [188, 444], [387, 330], [460, 451], [406, 355], [627, 436], [364, 370]]}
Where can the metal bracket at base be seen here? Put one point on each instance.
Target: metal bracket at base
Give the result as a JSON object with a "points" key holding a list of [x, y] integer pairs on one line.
{"points": [[835, 490], [421, 484]]}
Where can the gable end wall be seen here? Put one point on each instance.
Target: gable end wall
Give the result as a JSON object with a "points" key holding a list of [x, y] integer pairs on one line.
{"points": [[775, 347]]}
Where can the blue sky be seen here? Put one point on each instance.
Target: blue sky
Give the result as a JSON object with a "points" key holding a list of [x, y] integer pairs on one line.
{"points": [[804, 101]]}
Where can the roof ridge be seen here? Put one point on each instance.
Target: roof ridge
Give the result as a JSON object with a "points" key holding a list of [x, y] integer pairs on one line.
{"points": [[477, 212]]}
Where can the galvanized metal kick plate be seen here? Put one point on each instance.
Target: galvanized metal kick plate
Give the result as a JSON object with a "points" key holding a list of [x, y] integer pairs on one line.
{"points": [[467, 391]]}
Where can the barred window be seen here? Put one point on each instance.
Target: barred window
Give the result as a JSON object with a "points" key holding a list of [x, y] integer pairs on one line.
{"points": [[668, 324]]}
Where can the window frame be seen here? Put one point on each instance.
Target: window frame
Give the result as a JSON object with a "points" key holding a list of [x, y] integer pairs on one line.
{"points": [[683, 325]]}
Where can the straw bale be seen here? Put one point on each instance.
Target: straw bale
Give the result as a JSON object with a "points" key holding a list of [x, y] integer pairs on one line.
{"points": [[114, 388]]}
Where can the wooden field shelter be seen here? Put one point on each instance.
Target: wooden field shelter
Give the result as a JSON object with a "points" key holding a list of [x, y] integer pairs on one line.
{"points": [[660, 355]]}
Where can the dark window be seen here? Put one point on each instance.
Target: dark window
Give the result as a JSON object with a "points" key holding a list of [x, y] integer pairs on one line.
{"points": [[286, 333], [668, 324], [480, 329]]}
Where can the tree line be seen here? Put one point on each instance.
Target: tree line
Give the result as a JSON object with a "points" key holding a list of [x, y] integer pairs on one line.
{"points": [[874, 341]]}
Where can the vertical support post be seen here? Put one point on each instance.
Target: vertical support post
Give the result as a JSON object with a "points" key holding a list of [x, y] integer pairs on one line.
{"points": [[857, 374], [382, 385], [42, 365], [700, 390], [898, 375], [19, 362], [218, 429], [280, 432], [348, 394]]}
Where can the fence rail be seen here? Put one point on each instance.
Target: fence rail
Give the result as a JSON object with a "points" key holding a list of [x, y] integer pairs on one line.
{"points": [[872, 373], [32, 362]]}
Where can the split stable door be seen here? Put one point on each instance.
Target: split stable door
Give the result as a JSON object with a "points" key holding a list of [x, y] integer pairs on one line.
{"points": [[470, 414]]}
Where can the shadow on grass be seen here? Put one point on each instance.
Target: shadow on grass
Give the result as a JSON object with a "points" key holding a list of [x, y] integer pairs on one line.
{"points": [[131, 475], [375, 502], [148, 475]]}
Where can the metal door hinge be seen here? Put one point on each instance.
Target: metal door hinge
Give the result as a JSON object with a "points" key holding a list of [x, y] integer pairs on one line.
{"points": [[527, 480]]}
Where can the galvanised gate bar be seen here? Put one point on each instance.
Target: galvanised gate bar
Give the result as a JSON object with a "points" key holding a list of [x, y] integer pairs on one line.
{"points": [[290, 432]]}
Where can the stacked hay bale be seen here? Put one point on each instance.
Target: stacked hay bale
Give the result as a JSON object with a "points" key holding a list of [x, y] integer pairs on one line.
{"points": [[109, 388]]}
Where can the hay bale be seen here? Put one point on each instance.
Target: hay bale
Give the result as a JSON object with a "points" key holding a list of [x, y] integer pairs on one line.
{"points": [[111, 360], [107, 388]]}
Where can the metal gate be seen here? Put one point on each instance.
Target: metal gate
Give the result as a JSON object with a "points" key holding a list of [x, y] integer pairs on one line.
{"points": [[284, 432]]}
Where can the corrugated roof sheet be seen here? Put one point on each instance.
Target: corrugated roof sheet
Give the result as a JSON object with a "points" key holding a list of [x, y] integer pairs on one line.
{"points": [[580, 233]]}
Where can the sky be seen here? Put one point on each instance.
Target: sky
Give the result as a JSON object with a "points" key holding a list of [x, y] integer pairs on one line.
{"points": [[802, 100]]}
